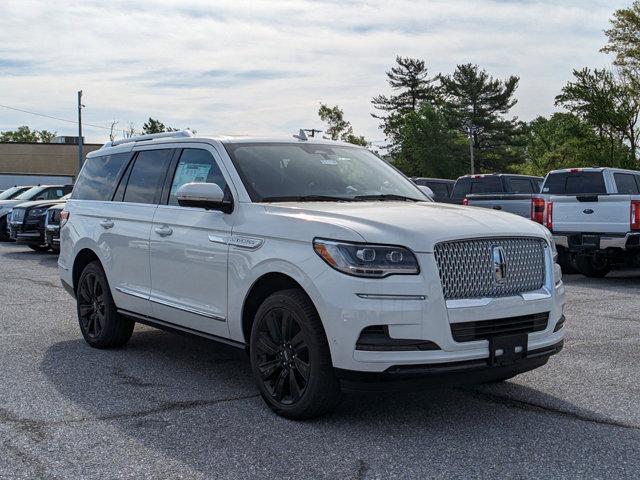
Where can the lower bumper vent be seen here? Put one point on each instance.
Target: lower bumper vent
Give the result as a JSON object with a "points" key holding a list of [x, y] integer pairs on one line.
{"points": [[485, 329], [376, 339]]}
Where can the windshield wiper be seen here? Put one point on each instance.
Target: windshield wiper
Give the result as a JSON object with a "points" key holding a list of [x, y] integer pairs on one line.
{"points": [[386, 196], [307, 198]]}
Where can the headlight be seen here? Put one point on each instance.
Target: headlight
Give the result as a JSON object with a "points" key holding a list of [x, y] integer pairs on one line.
{"points": [[36, 212], [364, 260]]}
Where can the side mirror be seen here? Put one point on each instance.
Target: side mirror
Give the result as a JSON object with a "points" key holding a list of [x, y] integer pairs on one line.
{"points": [[203, 195], [427, 191]]}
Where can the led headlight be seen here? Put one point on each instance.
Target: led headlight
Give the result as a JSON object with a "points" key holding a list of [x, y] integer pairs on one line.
{"points": [[363, 260], [37, 212]]}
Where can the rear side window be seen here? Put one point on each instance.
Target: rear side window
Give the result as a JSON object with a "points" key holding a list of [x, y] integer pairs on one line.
{"points": [[461, 188], [439, 189], [521, 185], [98, 177], [195, 166], [486, 185], [626, 183], [575, 183], [147, 176]]}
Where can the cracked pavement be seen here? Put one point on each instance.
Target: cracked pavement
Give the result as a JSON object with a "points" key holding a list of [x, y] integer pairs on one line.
{"points": [[170, 406]]}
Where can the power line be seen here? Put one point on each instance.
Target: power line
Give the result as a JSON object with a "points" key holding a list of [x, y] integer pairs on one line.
{"points": [[54, 118]]}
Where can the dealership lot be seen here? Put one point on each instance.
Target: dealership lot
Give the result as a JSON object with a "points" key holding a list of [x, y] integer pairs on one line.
{"points": [[169, 406]]}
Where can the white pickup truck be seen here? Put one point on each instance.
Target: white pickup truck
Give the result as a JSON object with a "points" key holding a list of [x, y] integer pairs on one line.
{"points": [[594, 214]]}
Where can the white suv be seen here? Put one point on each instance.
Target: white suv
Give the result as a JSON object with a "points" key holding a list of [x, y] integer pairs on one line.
{"points": [[331, 268]]}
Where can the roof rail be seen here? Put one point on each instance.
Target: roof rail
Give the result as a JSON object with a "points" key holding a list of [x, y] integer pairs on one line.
{"points": [[151, 136]]}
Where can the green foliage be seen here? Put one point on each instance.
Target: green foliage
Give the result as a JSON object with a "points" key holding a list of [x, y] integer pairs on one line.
{"points": [[156, 126], [24, 134], [474, 99], [429, 147], [338, 128], [565, 140], [624, 37], [609, 103]]}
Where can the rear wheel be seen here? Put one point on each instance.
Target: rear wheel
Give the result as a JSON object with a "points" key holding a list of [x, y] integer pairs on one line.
{"points": [[100, 323], [592, 266], [290, 357], [567, 263], [40, 248]]}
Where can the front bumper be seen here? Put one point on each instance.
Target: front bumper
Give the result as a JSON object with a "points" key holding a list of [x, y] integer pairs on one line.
{"points": [[591, 242], [52, 235], [30, 234], [413, 377]]}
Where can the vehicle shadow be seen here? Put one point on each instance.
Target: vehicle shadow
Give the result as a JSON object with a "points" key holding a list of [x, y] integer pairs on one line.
{"points": [[195, 401], [47, 259]]}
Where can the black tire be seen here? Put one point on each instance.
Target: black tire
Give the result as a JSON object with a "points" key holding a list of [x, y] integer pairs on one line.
{"points": [[567, 263], [592, 267], [40, 248], [290, 357], [100, 323], [4, 236]]}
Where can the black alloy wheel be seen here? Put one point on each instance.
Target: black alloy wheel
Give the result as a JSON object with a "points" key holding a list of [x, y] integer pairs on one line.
{"points": [[283, 356], [91, 305]]}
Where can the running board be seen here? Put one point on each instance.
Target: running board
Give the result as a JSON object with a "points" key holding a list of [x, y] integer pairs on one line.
{"points": [[172, 327]]}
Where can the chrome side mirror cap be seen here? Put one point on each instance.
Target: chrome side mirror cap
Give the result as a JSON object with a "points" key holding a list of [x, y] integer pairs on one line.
{"points": [[203, 195]]}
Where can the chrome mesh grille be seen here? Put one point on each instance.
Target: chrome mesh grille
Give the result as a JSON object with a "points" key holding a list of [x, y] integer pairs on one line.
{"points": [[467, 268]]}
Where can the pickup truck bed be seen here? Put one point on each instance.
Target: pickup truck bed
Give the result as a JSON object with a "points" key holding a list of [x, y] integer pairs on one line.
{"points": [[516, 203]]}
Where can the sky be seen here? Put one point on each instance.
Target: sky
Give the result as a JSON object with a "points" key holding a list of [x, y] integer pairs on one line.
{"points": [[263, 66]]}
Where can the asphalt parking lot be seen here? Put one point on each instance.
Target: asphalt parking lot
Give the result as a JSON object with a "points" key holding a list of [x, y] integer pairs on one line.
{"points": [[169, 406]]}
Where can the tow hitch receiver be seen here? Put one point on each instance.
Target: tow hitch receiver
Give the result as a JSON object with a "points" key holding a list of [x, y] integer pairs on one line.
{"points": [[507, 349]]}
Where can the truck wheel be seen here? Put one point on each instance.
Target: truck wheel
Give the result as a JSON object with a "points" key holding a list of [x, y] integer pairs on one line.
{"points": [[592, 267], [40, 248], [567, 264], [100, 323], [290, 357]]}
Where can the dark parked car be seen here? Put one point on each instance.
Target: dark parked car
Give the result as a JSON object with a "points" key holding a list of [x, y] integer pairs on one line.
{"points": [[493, 184], [27, 223], [440, 187], [52, 226]]}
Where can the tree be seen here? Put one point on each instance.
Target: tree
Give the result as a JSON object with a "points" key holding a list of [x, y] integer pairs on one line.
{"points": [[565, 140], [338, 128], [476, 101], [24, 134], [156, 126], [410, 79], [429, 147], [624, 37], [610, 103]]}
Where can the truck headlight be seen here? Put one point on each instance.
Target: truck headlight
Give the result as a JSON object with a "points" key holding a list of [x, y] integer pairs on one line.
{"points": [[364, 260], [36, 212]]}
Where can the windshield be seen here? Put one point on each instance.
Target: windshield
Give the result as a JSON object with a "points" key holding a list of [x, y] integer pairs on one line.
{"points": [[29, 194], [315, 172], [10, 193]]}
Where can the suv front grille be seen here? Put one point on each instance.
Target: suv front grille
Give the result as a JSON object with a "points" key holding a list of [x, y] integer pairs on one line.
{"points": [[485, 329], [468, 267]]}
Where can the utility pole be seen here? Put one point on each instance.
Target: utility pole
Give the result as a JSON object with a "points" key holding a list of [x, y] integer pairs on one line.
{"points": [[80, 142], [312, 131], [471, 130]]}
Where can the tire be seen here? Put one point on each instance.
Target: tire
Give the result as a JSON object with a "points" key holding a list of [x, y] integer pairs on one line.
{"points": [[100, 323], [40, 248], [4, 237], [567, 264], [290, 357], [592, 267]]}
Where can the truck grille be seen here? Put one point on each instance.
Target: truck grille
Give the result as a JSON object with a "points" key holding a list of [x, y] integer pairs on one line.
{"points": [[485, 329], [17, 214], [468, 268]]}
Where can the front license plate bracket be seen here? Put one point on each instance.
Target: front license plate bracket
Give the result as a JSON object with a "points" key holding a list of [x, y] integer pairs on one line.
{"points": [[507, 349]]}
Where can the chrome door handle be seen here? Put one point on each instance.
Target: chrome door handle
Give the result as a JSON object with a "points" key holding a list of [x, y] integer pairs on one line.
{"points": [[163, 231], [107, 224]]}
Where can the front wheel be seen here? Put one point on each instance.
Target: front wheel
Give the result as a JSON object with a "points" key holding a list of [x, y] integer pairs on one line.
{"points": [[593, 267], [290, 357], [100, 323]]}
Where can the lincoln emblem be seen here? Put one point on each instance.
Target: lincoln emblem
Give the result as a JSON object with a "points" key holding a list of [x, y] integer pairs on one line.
{"points": [[499, 264]]}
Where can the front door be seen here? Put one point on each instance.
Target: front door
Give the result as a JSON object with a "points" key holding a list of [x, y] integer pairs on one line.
{"points": [[189, 252]]}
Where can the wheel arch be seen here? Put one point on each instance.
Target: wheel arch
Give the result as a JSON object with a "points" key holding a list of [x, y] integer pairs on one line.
{"points": [[83, 258]]}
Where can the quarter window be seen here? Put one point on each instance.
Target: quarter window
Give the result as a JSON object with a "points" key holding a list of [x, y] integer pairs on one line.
{"points": [[147, 176], [195, 166]]}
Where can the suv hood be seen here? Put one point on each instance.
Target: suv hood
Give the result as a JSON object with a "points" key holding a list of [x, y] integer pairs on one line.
{"points": [[418, 226]]}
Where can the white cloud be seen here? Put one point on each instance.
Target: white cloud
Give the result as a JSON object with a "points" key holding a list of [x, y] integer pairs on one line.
{"points": [[263, 66]]}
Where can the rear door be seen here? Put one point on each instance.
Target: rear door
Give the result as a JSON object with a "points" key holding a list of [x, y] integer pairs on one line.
{"points": [[125, 226], [189, 249]]}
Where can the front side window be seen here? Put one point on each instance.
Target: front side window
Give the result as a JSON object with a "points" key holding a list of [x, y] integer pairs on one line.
{"points": [[98, 177], [195, 166], [296, 172], [51, 194], [147, 176]]}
